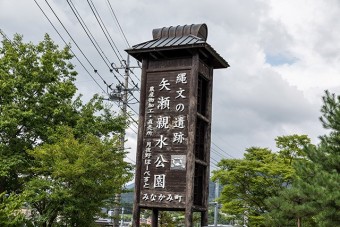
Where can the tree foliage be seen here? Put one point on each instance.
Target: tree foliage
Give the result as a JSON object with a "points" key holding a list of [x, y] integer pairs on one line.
{"points": [[261, 174], [313, 199], [40, 116], [11, 210], [291, 147], [288, 209], [323, 171], [249, 181], [74, 178], [315, 192]]}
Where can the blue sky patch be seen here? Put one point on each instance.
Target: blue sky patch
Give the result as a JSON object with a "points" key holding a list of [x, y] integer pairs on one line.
{"points": [[279, 59]]}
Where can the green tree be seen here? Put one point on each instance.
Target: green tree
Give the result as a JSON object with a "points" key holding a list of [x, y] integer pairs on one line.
{"points": [[248, 182], [325, 164], [292, 146], [74, 178], [37, 102], [36, 89], [313, 198], [318, 175], [10, 210], [288, 207]]}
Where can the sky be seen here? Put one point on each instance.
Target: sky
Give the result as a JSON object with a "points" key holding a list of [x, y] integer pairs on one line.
{"points": [[283, 56]]}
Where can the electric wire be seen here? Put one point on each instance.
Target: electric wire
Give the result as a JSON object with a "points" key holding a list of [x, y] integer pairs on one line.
{"points": [[134, 85], [132, 81], [214, 156], [213, 160], [88, 32], [135, 74], [77, 47], [130, 117], [222, 150], [224, 141], [120, 27], [68, 45], [92, 39], [4, 35], [213, 163], [131, 108], [213, 152], [94, 69], [102, 25], [110, 40], [132, 162], [113, 14], [223, 154]]}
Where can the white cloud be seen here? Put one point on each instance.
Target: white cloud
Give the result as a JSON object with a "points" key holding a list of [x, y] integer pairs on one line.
{"points": [[283, 54]]}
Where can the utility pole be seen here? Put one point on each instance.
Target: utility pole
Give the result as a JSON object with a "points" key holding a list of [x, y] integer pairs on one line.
{"points": [[216, 203], [122, 219], [121, 94]]}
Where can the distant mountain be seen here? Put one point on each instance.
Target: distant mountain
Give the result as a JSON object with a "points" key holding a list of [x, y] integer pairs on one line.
{"points": [[128, 196]]}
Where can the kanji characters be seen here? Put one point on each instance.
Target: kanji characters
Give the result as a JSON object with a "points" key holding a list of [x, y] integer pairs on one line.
{"points": [[161, 142], [181, 78], [163, 103], [159, 181], [163, 122], [163, 84], [178, 137], [165, 125], [160, 161]]}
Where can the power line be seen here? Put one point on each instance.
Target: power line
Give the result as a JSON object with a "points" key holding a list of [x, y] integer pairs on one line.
{"points": [[4, 35], [120, 27], [224, 141], [68, 45], [213, 152], [88, 32], [213, 162], [222, 150], [113, 14], [92, 39], [109, 39], [133, 162], [135, 87], [103, 28], [134, 73], [95, 70], [108, 86]]}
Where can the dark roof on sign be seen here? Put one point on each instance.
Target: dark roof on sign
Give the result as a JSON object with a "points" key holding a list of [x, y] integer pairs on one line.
{"points": [[169, 42], [181, 39]]}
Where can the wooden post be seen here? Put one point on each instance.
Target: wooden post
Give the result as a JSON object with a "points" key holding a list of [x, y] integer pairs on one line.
{"points": [[204, 218], [136, 208], [191, 141], [154, 220]]}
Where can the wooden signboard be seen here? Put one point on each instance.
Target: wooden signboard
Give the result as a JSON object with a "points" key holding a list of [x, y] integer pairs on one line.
{"points": [[165, 139], [173, 150]]}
